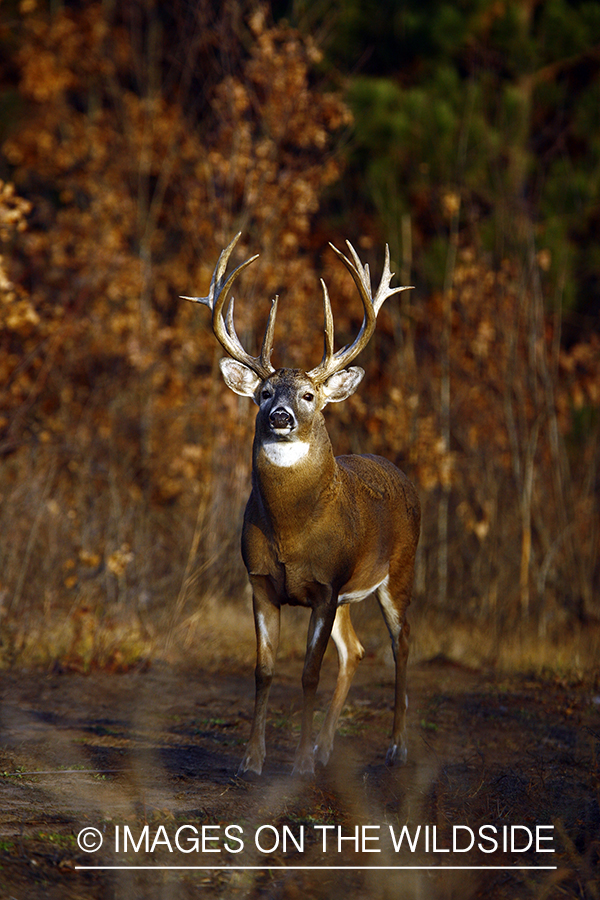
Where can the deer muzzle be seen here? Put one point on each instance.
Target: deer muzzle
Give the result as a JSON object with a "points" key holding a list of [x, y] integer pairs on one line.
{"points": [[281, 419]]}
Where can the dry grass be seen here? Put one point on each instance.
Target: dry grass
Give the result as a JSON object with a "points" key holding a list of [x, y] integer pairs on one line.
{"points": [[215, 632]]}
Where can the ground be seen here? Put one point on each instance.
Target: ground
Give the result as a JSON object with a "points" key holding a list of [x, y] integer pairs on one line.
{"points": [[151, 756]]}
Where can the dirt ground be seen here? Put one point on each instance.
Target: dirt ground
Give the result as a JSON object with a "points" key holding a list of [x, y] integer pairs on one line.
{"points": [[148, 758]]}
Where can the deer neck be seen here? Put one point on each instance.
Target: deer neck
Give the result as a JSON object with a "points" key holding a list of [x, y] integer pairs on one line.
{"points": [[293, 478]]}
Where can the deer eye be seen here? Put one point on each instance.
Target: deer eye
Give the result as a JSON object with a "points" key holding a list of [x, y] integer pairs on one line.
{"points": [[308, 397], [266, 394]]}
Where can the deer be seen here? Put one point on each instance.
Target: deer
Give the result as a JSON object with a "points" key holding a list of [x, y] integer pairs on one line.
{"points": [[319, 531]]}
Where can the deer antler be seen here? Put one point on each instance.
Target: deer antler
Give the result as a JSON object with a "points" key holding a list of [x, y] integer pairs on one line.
{"points": [[224, 329], [334, 362]]}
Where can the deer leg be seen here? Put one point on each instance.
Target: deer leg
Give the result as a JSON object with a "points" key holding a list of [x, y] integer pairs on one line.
{"points": [[393, 606], [266, 622], [350, 652], [319, 630]]}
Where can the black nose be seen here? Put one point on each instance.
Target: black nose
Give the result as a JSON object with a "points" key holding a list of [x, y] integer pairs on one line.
{"points": [[281, 418]]}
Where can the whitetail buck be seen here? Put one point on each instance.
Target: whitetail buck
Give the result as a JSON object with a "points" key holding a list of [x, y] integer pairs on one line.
{"points": [[319, 531]]}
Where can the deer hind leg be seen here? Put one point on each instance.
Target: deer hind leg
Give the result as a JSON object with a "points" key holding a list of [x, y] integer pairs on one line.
{"points": [[394, 596], [350, 652], [266, 621]]}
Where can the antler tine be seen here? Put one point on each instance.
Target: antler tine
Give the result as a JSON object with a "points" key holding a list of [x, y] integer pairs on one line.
{"points": [[384, 290], [216, 285], [232, 333], [267, 345], [266, 349], [225, 330], [334, 362], [327, 333]]}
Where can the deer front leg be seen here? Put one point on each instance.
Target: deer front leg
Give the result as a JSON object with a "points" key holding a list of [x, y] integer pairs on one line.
{"points": [[319, 630], [266, 622]]}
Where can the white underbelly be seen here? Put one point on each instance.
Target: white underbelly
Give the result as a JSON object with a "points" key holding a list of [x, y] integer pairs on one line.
{"points": [[356, 596]]}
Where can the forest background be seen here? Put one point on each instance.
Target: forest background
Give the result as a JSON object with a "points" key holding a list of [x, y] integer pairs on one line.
{"points": [[136, 138]]}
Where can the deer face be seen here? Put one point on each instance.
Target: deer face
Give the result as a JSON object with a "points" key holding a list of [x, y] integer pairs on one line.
{"points": [[289, 400], [289, 420], [288, 403]]}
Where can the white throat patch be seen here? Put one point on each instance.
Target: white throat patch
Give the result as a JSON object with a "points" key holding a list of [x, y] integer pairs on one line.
{"points": [[285, 453]]}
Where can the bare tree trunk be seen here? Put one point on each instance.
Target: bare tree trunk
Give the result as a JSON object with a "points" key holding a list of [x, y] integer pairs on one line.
{"points": [[445, 423], [526, 498]]}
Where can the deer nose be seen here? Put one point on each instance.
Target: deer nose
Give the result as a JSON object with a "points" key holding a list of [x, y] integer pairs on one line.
{"points": [[281, 418]]}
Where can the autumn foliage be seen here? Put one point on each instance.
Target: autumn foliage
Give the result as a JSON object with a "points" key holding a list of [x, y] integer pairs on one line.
{"points": [[141, 145]]}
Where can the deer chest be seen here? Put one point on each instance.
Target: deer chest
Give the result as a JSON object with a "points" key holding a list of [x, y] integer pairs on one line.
{"points": [[298, 568]]}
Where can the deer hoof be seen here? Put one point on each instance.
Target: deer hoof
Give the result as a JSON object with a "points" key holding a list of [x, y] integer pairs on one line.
{"points": [[396, 755], [250, 768], [248, 776], [322, 754], [304, 764]]}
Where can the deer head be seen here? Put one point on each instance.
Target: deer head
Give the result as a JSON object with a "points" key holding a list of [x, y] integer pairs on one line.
{"points": [[291, 399]]}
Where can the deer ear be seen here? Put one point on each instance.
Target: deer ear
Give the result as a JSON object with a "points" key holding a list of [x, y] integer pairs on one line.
{"points": [[238, 377], [342, 384]]}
